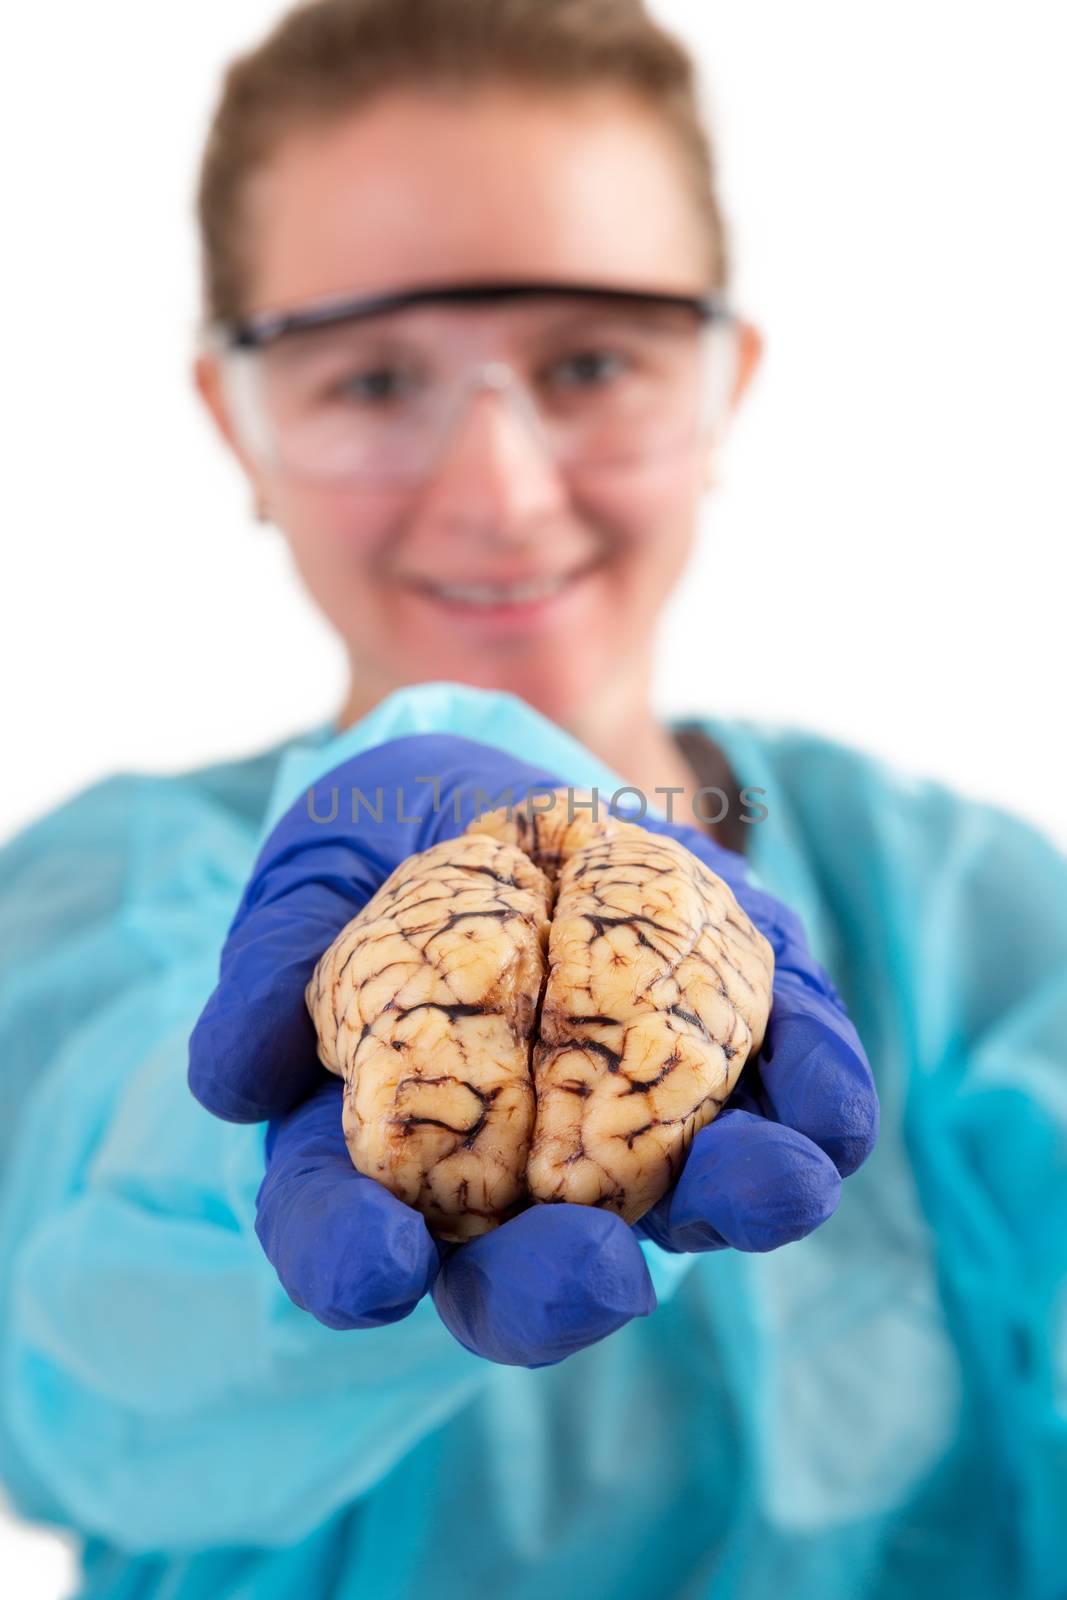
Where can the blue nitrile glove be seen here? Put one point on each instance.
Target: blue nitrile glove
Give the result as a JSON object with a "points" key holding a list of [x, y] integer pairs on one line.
{"points": [[557, 1277]]}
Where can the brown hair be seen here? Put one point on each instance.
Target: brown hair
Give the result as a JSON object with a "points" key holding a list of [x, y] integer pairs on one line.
{"points": [[325, 58]]}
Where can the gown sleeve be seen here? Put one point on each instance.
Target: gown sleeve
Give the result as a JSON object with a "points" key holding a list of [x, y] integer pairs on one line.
{"points": [[158, 1390], [61, 884], [986, 1122]]}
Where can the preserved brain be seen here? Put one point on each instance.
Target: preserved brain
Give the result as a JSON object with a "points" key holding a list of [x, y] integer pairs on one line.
{"points": [[546, 1008]]}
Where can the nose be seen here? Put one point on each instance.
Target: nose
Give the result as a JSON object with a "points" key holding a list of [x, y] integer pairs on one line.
{"points": [[493, 478]]}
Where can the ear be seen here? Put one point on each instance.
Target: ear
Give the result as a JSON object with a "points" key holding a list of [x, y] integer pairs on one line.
{"points": [[749, 355], [207, 379]]}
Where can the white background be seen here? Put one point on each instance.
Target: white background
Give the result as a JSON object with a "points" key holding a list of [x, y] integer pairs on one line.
{"points": [[889, 537]]}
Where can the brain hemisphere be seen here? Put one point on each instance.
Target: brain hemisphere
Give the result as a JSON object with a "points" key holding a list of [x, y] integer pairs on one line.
{"points": [[547, 1008], [425, 1004], [658, 992]]}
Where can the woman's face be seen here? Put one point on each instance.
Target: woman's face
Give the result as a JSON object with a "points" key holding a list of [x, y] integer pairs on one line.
{"points": [[418, 188]]}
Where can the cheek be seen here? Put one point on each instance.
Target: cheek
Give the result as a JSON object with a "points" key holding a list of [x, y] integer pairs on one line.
{"points": [[652, 514], [338, 546]]}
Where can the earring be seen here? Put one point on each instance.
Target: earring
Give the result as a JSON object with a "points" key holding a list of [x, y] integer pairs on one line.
{"points": [[259, 509]]}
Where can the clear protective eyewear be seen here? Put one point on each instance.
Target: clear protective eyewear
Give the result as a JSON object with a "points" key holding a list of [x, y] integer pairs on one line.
{"points": [[370, 390]]}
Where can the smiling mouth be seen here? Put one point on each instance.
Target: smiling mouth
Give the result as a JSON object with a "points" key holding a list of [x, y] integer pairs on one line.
{"points": [[498, 594]]}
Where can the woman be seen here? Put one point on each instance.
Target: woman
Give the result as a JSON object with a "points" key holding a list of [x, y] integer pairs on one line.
{"points": [[870, 1412]]}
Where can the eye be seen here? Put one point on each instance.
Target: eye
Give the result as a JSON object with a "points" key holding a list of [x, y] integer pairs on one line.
{"points": [[374, 386], [587, 369]]}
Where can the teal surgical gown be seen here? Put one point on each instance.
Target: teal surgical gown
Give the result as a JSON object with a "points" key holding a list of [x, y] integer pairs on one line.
{"points": [[877, 1411]]}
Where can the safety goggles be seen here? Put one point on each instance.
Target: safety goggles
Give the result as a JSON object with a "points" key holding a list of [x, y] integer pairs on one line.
{"points": [[370, 390]]}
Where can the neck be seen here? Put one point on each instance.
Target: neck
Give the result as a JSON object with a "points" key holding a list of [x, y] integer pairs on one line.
{"points": [[620, 726], [617, 724], [365, 691]]}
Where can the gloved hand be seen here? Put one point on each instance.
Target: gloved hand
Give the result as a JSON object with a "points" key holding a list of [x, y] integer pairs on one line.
{"points": [[557, 1277]]}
